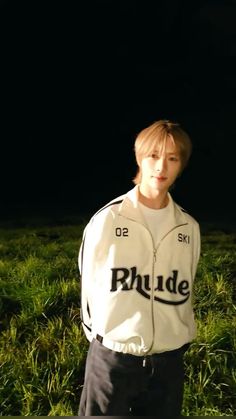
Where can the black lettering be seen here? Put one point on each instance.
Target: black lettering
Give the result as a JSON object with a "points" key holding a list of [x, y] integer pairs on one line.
{"points": [[159, 286], [146, 282], [117, 278], [129, 279], [118, 231], [125, 232], [171, 283], [184, 238], [136, 277], [121, 232], [180, 237], [183, 285]]}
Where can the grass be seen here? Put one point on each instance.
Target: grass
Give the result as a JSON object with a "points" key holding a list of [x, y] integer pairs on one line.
{"points": [[43, 348], [211, 361]]}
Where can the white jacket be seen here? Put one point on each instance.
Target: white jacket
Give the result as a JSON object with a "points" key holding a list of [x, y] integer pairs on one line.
{"points": [[138, 297]]}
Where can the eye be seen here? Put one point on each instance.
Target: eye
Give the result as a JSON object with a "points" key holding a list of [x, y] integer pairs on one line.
{"points": [[154, 155], [174, 158]]}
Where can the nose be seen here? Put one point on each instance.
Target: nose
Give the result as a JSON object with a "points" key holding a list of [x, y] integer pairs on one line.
{"points": [[161, 164]]}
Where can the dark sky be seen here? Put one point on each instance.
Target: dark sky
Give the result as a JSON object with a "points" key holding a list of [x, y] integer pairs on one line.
{"points": [[81, 79]]}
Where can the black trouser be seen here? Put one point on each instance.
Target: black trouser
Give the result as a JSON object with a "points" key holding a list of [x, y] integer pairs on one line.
{"points": [[120, 384]]}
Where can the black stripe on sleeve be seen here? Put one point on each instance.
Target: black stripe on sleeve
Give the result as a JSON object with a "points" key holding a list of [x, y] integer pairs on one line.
{"points": [[109, 205]]}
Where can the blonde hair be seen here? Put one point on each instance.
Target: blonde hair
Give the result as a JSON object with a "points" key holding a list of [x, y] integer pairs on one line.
{"points": [[154, 137]]}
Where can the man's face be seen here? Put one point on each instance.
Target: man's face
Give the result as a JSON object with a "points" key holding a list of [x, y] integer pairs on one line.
{"points": [[160, 169]]}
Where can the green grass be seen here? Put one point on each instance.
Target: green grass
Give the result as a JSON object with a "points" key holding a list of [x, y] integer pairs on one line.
{"points": [[43, 348], [211, 361]]}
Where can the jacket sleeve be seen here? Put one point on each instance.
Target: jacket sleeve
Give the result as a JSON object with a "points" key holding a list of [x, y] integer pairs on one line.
{"points": [[196, 250], [85, 310]]}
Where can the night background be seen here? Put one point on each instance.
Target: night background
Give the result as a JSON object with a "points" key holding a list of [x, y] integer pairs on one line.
{"points": [[79, 80]]}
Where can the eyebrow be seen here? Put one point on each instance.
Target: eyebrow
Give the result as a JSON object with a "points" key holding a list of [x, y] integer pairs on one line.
{"points": [[168, 153]]}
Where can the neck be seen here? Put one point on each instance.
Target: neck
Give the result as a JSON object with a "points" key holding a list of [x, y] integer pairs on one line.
{"points": [[156, 201]]}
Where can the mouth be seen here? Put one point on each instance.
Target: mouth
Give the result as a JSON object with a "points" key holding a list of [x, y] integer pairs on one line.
{"points": [[160, 178]]}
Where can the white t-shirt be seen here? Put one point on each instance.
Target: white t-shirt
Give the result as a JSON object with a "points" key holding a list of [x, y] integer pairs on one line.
{"points": [[156, 220]]}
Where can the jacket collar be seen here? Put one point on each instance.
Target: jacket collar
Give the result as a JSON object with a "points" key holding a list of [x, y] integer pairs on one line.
{"points": [[129, 208]]}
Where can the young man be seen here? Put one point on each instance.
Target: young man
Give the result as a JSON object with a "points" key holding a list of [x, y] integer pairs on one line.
{"points": [[138, 260]]}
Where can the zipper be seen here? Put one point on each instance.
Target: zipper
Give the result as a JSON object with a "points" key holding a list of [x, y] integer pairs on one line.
{"points": [[155, 255], [155, 249], [152, 287]]}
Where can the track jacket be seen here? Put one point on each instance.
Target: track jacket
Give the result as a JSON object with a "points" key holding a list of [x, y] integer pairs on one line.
{"points": [[136, 295]]}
